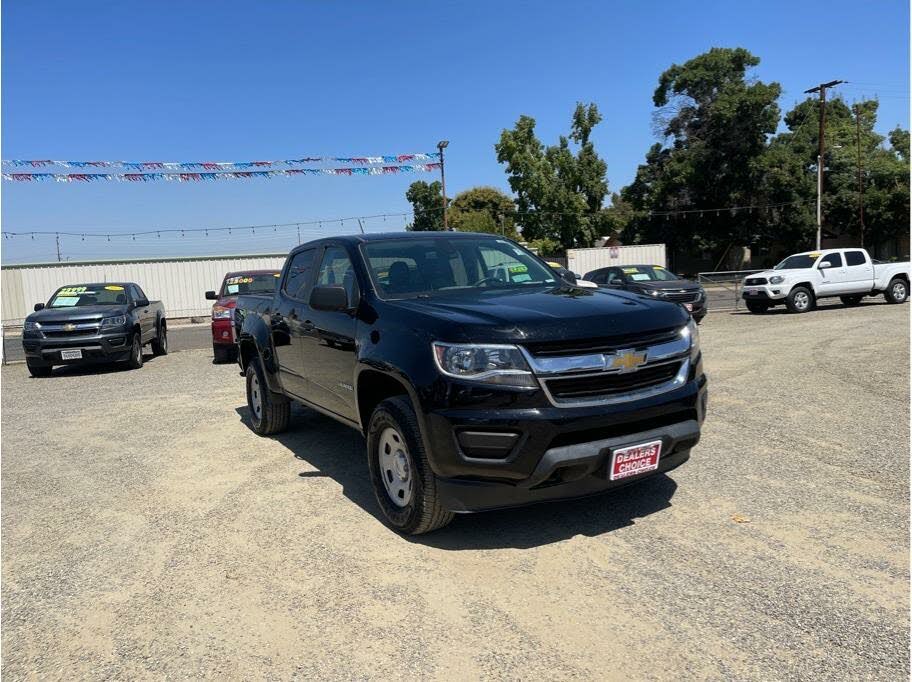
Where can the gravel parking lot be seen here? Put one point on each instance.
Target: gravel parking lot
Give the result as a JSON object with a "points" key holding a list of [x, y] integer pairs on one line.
{"points": [[147, 532]]}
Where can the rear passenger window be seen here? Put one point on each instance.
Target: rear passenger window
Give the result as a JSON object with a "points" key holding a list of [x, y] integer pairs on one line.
{"points": [[300, 274], [834, 259], [855, 258]]}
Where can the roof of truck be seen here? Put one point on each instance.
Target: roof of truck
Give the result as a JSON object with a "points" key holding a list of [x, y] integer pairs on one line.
{"points": [[386, 236]]}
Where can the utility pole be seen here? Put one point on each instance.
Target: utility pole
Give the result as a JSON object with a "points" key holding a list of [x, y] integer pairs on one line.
{"points": [[822, 88], [441, 146], [57, 238], [860, 180]]}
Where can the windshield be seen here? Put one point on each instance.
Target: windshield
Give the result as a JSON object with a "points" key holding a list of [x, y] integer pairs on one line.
{"points": [[648, 273], [87, 294], [406, 268], [260, 283], [806, 260]]}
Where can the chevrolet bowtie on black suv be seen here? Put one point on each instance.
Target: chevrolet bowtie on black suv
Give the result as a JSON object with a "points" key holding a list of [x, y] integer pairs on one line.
{"points": [[91, 323], [479, 378]]}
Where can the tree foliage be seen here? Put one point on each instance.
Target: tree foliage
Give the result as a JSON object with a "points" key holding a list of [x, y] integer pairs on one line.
{"points": [[483, 209], [427, 205], [559, 189], [715, 121]]}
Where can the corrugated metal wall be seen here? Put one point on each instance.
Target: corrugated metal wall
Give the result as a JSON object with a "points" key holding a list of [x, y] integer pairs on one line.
{"points": [[582, 261], [180, 284]]}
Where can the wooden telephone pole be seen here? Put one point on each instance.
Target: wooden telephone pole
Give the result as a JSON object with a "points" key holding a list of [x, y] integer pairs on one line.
{"points": [[822, 88]]}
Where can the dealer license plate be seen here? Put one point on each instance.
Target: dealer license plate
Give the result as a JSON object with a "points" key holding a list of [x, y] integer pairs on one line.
{"points": [[753, 292], [635, 460], [71, 355]]}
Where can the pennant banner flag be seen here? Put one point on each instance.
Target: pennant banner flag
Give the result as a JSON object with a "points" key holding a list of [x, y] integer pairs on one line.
{"points": [[217, 175], [221, 165]]}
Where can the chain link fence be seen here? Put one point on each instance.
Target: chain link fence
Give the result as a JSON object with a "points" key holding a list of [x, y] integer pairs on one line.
{"points": [[723, 288]]}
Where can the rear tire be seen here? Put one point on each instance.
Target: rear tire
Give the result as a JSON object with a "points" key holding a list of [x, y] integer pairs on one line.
{"points": [[851, 300], [39, 371], [222, 354], [404, 485], [897, 291], [269, 412], [757, 307], [800, 300], [160, 343], [136, 356]]}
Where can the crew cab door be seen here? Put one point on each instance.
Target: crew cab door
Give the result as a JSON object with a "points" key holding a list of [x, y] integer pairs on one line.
{"points": [[832, 280], [144, 314], [329, 346], [859, 271], [287, 322]]}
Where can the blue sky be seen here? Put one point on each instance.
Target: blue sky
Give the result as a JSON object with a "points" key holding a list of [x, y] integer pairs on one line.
{"points": [[236, 81]]}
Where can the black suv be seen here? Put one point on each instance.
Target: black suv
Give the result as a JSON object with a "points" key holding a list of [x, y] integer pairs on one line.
{"points": [[479, 377], [653, 280]]}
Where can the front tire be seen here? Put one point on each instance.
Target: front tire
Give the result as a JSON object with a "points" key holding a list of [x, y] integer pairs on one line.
{"points": [[897, 291], [757, 307], [136, 356], [160, 344], [404, 485], [800, 300], [39, 371], [269, 412]]}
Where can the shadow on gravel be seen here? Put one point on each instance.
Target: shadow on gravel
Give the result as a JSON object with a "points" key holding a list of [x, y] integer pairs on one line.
{"points": [[337, 452], [92, 369], [821, 308]]}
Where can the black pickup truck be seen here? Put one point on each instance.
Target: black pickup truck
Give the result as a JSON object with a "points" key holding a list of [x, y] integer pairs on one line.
{"points": [[479, 378], [91, 323]]}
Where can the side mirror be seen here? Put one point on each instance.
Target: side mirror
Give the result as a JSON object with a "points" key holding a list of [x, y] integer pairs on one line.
{"points": [[616, 282], [330, 297], [824, 265], [211, 296], [141, 302], [39, 306]]}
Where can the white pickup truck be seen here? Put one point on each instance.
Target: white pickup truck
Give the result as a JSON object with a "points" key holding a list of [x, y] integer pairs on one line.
{"points": [[799, 280]]}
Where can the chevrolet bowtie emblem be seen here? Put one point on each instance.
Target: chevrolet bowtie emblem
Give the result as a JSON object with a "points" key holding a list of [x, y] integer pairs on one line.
{"points": [[625, 360], [69, 327]]}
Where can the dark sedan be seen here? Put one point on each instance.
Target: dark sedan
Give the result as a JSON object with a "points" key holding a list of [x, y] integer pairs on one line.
{"points": [[653, 280]]}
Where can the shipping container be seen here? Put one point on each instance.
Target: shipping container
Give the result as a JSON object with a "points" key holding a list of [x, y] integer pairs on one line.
{"points": [[582, 261]]}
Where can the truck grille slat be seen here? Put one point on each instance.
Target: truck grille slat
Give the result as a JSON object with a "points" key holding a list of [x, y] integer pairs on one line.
{"points": [[606, 384], [601, 345]]}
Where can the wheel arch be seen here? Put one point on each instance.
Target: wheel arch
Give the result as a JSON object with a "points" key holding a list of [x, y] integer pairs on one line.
{"points": [[373, 387]]}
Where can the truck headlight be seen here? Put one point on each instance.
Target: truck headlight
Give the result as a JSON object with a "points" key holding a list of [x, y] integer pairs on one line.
{"points": [[692, 332], [116, 321], [220, 312], [489, 364], [30, 326], [777, 279]]}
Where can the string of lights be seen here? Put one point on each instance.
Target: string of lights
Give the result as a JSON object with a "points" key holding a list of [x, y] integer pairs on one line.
{"points": [[341, 222]]}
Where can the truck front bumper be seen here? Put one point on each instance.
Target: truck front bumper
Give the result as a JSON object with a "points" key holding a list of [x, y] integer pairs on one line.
{"points": [[490, 456], [770, 293], [570, 471], [111, 346]]}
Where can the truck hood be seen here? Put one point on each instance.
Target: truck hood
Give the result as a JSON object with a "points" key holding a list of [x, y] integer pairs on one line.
{"points": [[561, 313], [86, 312]]}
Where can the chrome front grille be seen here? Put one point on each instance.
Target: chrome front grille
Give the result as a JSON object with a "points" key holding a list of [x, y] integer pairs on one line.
{"points": [[681, 296], [755, 281], [623, 374]]}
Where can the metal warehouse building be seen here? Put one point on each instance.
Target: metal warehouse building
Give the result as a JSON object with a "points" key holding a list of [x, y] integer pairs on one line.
{"points": [[180, 283]]}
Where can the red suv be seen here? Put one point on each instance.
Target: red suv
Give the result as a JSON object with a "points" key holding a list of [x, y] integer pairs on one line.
{"points": [[235, 283]]}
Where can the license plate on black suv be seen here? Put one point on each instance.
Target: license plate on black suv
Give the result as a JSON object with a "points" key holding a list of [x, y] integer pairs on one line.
{"points": [[635, 460], [71, 355]]}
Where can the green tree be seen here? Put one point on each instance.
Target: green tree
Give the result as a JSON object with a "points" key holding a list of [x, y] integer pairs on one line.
{"points": [[714, 119], [790, 175], [427, 205], [483, 209], [559, 191]]}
